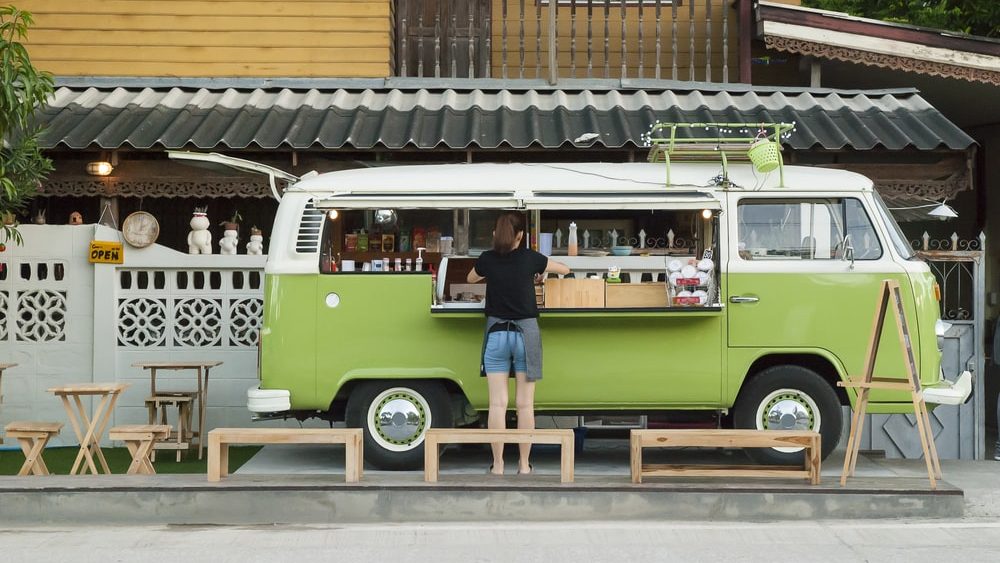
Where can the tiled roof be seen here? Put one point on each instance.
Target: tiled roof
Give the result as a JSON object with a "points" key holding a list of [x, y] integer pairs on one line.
{"points": [[173, 118]]}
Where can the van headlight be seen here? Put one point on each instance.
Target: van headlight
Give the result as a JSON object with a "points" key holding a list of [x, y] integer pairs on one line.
{"points": [[941, 327]]}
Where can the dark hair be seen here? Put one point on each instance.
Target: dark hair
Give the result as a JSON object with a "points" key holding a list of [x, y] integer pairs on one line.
{"points": [[509, 223]]}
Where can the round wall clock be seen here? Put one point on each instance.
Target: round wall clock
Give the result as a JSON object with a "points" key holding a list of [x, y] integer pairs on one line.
{"points": [[140, 229]]}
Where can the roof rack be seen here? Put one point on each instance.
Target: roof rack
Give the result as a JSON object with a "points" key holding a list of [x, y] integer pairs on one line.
{"points": [[758, 143]]}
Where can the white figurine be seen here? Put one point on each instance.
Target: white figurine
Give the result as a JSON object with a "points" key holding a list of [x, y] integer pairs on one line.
{"points": [[586, 239], [256, 245], [642, 238], [228, 242], [199, 239], [670, 238], [614, 237], [558, 237]]}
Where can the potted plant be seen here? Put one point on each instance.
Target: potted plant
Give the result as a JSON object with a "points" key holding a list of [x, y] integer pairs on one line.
{"points": [[233, 223]]}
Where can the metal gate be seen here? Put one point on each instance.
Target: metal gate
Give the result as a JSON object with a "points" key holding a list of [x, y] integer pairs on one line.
{"points": [[959, 431]]}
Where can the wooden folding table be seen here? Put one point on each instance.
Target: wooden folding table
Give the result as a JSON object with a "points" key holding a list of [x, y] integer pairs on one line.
{"points": [[202, 368], [89, 428]]}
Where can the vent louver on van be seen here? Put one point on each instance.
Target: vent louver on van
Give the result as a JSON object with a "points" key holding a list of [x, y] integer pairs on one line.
{"points": [[310, 227]]}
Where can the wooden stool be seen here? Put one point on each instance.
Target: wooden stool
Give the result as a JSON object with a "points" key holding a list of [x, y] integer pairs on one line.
{"points": [[139, 439], [33, 436], [157, 406]]}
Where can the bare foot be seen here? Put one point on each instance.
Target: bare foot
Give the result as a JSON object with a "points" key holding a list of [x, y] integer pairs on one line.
{"points": [[496, 469], [525, 471]]}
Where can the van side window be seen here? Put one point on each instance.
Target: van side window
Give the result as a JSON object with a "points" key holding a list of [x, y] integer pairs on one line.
{"points": [[805, 230]]}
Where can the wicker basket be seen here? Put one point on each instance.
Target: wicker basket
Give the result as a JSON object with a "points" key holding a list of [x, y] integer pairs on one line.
{"points": [[765, 155]]}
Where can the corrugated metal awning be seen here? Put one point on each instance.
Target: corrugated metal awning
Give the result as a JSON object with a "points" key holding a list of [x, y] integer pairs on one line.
{"points": [[231, 118]]}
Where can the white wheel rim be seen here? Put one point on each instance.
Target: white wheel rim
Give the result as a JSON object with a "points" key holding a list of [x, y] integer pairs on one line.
{"points": [[398, 418], [788, 409]]}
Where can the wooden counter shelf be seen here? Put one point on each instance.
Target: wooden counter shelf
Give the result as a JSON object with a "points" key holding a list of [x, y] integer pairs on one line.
{"points": [[709, 311]]}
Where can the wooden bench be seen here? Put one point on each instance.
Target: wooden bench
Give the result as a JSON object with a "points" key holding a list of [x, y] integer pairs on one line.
{"points": [[33, 436], [139, 439], [437, 436], [710, 438], [220, 439]]}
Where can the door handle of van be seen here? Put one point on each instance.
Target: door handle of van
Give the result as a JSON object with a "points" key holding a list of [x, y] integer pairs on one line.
{"points": [[742, 299]]}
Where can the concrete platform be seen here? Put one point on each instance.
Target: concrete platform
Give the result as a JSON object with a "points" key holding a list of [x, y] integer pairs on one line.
{"points": [[304, 484]]}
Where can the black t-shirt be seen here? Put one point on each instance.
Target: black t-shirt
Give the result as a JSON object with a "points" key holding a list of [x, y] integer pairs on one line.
{"points": [[510, 282]]}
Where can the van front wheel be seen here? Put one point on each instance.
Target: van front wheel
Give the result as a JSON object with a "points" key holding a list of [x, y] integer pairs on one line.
{"points": [[789, 398], [395, 416]]}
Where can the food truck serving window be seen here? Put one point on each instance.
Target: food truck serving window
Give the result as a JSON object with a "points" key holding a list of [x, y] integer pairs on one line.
{"points": [[806, 229]]}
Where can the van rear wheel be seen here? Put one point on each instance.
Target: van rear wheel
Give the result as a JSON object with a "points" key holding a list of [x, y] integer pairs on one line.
{"points": [[395, 416], [789, 398]]}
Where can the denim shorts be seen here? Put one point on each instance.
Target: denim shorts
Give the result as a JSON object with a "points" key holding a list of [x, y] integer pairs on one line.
{"points": [[502, 348]]}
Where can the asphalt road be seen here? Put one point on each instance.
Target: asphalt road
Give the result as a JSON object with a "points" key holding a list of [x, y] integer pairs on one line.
{"points": [[966, 540]]}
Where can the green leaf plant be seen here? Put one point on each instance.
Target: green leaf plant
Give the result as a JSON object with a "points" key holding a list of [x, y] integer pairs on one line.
{"points": [[23, 89]]}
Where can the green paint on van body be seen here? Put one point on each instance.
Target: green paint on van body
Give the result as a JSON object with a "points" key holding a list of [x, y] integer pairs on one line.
{"points": [[383, 328]]}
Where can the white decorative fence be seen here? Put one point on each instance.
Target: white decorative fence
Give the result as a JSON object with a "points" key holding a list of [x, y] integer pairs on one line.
{"points": [[64, 320]]}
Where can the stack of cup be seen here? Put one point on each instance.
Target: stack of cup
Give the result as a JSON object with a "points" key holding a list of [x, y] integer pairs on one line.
{"points": [[545, 243]]}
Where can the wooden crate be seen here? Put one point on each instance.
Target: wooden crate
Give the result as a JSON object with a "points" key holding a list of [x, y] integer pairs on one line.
{"points": [[636, 295], [574, 293]]}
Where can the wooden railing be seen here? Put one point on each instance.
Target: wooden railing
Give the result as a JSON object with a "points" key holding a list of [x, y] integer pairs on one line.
{"points": [[517, 39]]}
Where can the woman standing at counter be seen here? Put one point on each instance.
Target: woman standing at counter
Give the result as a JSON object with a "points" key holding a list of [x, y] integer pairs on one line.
{"points": [[512, 342]]}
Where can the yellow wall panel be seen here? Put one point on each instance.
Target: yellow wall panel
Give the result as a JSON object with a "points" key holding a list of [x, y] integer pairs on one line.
{"points": [[340, 8], [186, 55], [231, 38], [195, 69], [51, 38], [288, 24]]}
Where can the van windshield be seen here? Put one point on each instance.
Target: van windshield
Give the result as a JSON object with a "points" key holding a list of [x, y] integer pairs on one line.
{"points": [[895, 233]]}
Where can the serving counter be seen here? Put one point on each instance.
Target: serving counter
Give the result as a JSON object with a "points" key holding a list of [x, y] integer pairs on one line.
{"points": [[585, 293]]}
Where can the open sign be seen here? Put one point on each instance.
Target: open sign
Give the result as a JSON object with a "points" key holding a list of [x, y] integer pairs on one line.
{"points": [[106, 252]]}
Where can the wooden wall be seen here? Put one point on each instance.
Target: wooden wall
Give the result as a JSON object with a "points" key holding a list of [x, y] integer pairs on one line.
{"points": [[211, 38]]}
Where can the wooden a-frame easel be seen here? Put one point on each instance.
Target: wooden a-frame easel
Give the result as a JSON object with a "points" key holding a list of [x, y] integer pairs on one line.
{"points": [[889, 295]]}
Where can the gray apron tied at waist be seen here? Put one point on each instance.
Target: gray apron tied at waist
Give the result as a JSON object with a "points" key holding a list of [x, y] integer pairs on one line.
{"points": [[532, 345]]}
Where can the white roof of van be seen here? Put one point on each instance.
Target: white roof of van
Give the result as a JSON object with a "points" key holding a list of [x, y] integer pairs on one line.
{"points": [[575, 177]]}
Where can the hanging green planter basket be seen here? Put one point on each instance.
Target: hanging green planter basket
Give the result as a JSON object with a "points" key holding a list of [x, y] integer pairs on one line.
{"points": [[765, 155]]}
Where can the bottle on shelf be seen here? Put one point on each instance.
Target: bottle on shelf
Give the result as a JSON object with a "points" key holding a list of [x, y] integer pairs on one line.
{"points": [[419, 264], [571, 244], [419, 238]]}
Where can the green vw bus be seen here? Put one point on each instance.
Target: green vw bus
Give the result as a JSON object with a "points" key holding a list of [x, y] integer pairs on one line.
{"points": [[788, 268]]}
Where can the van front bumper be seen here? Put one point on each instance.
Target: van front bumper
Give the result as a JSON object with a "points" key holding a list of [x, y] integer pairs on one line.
{"points": [[950, 392], [268, 401]]}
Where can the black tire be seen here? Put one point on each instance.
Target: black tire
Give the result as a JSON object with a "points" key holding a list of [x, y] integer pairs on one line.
{"points": [[399, 444], [789, 388]]}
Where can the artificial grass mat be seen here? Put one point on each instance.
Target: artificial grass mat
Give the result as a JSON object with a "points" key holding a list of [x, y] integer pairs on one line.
{"points": [[60, 460]]}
